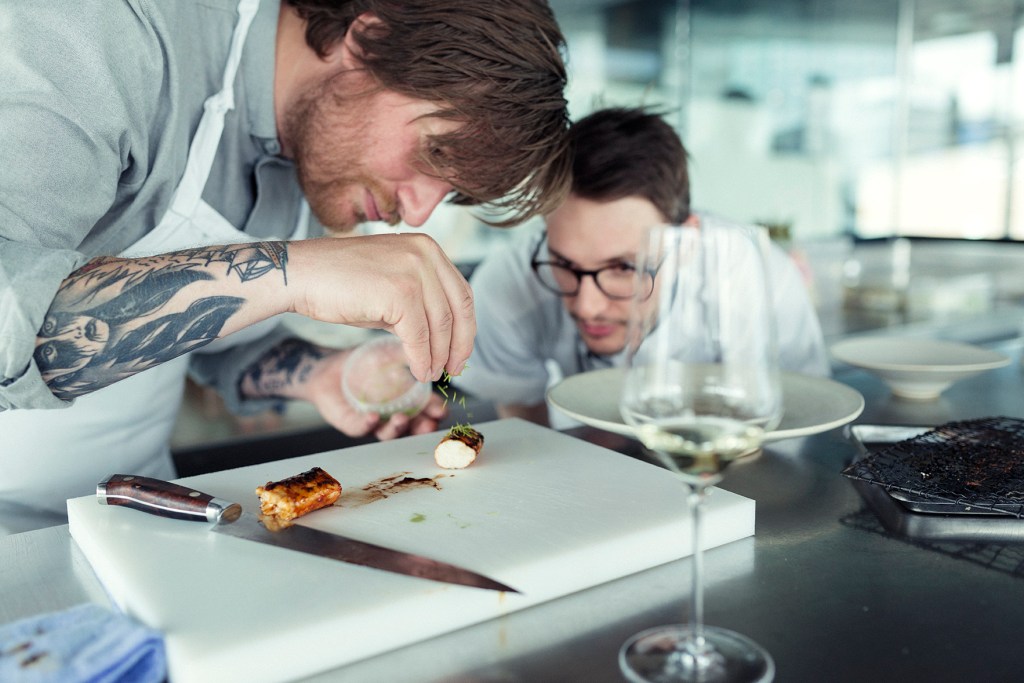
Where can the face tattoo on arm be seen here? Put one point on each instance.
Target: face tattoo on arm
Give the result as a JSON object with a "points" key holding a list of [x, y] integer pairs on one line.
{"points": [[113, 318]]}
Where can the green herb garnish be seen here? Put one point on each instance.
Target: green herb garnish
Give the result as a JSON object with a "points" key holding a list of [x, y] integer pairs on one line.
{"points": [[459, 428]]}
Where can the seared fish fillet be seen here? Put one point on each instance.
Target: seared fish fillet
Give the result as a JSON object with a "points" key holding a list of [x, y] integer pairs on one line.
{"points": [[298, 495]]}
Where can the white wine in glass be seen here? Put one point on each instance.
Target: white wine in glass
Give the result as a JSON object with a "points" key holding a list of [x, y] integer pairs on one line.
{"points": [[701, 389]]}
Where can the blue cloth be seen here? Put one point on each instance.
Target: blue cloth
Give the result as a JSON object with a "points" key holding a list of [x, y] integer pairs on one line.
{"points": [[84, 643]]}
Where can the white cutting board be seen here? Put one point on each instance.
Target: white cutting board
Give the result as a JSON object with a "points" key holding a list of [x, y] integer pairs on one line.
{"points": [[540, 511]]}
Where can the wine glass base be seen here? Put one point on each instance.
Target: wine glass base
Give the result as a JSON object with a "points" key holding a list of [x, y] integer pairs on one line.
{"points": [[665, 655]]}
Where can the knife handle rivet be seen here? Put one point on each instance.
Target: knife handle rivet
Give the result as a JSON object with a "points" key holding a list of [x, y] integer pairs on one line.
{"points": [[128, 478], [194, 494]]}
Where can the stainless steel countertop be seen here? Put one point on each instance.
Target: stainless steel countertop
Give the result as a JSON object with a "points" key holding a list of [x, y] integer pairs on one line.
{"points": [[821, 585]]}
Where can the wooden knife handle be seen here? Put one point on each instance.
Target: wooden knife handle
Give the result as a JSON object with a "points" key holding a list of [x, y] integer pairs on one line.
{"points": [[163, 498]]}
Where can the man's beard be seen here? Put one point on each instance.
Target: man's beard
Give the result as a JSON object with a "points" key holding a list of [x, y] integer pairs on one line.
{"points": [[326, 133]]}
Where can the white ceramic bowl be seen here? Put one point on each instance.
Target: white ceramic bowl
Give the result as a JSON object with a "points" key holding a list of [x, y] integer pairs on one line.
{"points": [[377, 379], [917, 369]]}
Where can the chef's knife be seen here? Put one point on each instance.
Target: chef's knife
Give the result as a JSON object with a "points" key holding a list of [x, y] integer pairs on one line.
{"points": [[166, 499]]}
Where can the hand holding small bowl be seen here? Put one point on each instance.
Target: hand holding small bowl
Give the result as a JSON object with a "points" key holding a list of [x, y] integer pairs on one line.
{"points": [[377, 379]]}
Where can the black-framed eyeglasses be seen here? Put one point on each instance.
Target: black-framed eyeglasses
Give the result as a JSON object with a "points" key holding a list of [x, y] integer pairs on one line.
{"points": [[616, 281]]}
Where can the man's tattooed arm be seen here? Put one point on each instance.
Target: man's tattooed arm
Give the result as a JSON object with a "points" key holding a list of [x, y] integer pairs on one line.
{"points": [[116, 317], [281, 370]]}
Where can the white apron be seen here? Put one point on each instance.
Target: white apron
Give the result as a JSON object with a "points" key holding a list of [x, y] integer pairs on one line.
{"points": [[49, 456]]}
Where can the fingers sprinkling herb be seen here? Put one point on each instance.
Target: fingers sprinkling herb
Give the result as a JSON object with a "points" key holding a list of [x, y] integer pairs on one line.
{"points": [[462, 444]]}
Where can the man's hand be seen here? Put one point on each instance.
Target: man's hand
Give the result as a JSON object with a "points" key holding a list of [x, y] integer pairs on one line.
{"points": [[323, 389], [401, 283], [299, 370]]}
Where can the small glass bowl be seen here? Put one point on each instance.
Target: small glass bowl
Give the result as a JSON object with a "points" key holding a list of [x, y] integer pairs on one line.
{"points": [[377, 379]]}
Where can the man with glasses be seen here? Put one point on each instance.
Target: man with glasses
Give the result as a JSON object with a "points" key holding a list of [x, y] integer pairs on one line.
{"points": [[556, 302]]}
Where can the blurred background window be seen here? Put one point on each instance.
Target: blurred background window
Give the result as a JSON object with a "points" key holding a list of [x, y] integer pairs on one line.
{"points": [[874, 118]]}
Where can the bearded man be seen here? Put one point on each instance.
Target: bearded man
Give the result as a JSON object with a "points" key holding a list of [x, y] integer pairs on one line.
{"points": [[163, 168]]}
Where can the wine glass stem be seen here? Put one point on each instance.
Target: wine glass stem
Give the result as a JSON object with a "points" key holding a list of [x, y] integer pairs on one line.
{"points": [[698, 492]]}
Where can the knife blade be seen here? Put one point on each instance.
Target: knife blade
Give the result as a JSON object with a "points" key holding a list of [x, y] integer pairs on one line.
{"points": [[167, 499]]}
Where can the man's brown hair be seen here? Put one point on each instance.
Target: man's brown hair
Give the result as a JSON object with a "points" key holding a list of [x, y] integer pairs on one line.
{"points": [[630, 152], [494, 65]]}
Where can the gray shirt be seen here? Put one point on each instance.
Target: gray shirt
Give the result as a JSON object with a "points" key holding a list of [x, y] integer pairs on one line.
{"points": [[99, 100], [526, 340]]}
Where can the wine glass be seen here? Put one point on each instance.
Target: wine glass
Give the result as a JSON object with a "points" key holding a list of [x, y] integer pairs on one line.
{"points": [[701, 388]]}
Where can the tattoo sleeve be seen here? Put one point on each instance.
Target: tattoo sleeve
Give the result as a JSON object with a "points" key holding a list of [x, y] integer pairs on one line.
{"points": [[285, 366], [116, 317]]}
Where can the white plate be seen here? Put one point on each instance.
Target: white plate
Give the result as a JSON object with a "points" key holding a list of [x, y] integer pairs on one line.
{"points": [[811, 404], [918, 369]]}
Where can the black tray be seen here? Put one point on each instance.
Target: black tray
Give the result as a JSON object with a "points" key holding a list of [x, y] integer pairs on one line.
{"points": [[968, 467], [918, 517], [871, 438]]}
